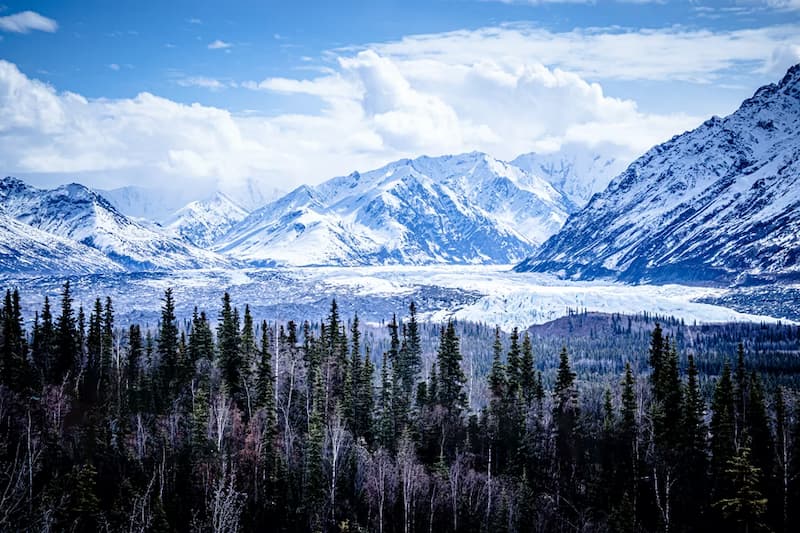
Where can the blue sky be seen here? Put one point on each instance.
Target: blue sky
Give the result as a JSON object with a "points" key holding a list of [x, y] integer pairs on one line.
{"points": [[114, 93]]}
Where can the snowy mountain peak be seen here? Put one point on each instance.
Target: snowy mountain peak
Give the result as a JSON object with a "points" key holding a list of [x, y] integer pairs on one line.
{"points": [[203, 221], [575, 170], [77, 213], [467, 208], [717, 204]]}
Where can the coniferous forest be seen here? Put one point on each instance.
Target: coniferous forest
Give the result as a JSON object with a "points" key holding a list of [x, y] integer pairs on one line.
{"points": [[226, 423]]}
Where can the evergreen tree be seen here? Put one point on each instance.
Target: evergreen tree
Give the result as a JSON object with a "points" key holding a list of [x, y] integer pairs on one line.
{"points": [[167, 346], [134, 367], [565, 423], [44, 345], [497, 374], [385, 431], [746, 505], [723, 438], [513, 365], [66, 346], [527, 374], [451, 377], [14, 367], [230, 355]]}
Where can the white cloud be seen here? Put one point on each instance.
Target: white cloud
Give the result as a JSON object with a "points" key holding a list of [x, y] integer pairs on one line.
{"points": [[203, 82], [784, 4], [218, 45], [113, 66], [671, 54], [194, 20], [504, 90], [27, 21]]}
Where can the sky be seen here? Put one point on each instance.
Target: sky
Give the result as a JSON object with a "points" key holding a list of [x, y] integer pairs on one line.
{"points": [[198, 95]]}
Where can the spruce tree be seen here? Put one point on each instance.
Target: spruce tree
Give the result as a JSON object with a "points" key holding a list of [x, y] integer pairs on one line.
{"points": [[44, 345], [66, 346], [513, 365], [723, 436], [167, 347], [15, 372], [451, 377], [230, 355], [527, 374]]}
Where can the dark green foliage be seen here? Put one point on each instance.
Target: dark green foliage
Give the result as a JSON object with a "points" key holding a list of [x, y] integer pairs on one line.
{"points": [[66, 364], [188, 430], [231, 359]]}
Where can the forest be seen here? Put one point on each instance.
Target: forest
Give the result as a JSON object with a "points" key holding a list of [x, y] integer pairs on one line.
{"points": [[225, 423]]}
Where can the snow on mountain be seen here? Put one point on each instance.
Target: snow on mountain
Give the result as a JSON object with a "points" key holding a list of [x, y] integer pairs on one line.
{"points": [[718, 204], [27, 250], [574, 170], [75, 212], [203, 221], [250, 193], [465, 209], [149, 203]]}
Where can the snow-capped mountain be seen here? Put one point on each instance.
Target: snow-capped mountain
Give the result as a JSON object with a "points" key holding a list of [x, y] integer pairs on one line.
{"points": [[147, 203], [77, 213], [27, 250], [717, 204], [576, 171], [250, 193], [203, 221], [469, 208]]}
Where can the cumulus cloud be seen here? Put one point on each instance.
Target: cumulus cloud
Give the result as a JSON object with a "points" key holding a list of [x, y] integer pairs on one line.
{"points": [[671, 54], [504, 90], [27, 21], [373, 112], [218, 45]]}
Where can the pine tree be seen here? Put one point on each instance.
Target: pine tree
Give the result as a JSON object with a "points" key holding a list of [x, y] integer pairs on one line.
{"points": [[497, 374], [15, 371], [746, 505], [629, 437], [565, 422], [527, 374], [413, 345], [385, 431], [134, 367], [451, 377], [230, 355], [760, 434], [44, 340], [167, 347], [314, 491], [693, 489], [740, 395], [658, 349], [66, 348], [107, 348], [265, 380], [513, 365], [723, 437]]}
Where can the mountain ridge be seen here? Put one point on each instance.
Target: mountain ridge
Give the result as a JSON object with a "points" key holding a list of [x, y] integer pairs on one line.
{"points": [[718, 204]]}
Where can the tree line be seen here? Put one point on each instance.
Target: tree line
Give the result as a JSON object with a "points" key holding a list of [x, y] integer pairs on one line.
{"points": [[238, 425]]}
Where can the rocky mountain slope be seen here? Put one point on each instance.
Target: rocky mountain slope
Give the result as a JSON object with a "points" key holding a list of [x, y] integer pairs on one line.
{"points": [[75, 212], [464, 209], [719, 204]]}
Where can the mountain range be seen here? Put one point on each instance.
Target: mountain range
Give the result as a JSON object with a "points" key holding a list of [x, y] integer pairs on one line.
{"points": [[715, 205], [470, 208], [719, 204], [84, 217]]}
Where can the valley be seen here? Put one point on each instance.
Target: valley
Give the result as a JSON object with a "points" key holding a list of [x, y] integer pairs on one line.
{"points": [[490, 294]]}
